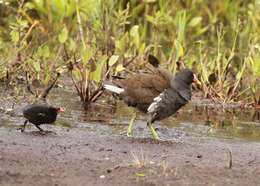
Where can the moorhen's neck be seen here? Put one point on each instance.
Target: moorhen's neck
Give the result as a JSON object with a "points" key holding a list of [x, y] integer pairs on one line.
{"points": [[182, 84]]}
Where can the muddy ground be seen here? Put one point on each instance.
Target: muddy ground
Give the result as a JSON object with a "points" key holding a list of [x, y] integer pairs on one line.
{"points": [[80, 157], [97, 152]]}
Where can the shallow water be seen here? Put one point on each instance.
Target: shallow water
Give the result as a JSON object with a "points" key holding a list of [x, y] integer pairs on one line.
{"points": [[197, 123]]}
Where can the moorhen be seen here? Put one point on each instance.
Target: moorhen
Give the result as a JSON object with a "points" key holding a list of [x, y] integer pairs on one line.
{"points": [[38, 114], [158, 93]]}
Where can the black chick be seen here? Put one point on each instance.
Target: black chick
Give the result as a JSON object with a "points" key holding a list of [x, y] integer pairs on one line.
{"points": [[38, 114]]}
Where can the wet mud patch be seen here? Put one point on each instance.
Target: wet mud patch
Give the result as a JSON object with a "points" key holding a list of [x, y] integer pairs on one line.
{"points": [[83, 158], [199, 146]]}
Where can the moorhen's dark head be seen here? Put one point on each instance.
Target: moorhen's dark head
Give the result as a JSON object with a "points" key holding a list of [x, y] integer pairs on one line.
{"points": [[187, 76], [182, 83]]}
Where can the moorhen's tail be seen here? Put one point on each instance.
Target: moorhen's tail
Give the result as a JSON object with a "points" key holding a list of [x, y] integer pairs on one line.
{"points": [[153, 61], [113, 88]]}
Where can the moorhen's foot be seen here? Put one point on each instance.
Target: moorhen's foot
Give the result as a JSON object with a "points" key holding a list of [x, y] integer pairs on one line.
{"points": [[155, 136], [42, 132], [154, 133], [45, 132], [21, 129], [122, 133], [129, 134]]}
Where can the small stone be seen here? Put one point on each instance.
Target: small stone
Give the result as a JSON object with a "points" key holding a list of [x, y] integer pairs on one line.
{"points": [[9, 109], [109, 170], [101, 149], [102, 176]]}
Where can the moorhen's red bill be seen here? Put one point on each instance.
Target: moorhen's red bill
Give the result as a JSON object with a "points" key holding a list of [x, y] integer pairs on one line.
{"points": [[158, 93], [39, 114]]}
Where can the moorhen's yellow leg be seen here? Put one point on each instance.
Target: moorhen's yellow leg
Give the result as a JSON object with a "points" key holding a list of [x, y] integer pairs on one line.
{"points": [[154, 133], [130, 126]]}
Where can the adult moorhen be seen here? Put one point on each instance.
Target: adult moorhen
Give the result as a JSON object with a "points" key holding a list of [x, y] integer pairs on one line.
{"points": [[39, 114], [158, 93]]}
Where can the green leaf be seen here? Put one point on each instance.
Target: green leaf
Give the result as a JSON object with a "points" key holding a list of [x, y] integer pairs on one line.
{"points": [[97, 74], [195, 21], [72, 45], [121, 43], [179, 49], [142, 48], [39, 6], [202, 30], [22, 23], [58, 9], [37, 66], [70, 8], [77, 74], [151, 19], [45, 52], [39, 52], [112, 60], [140, 174], [120, 67], [63, 36], [87, 55], [47, 78], [134, 33], [150, 1], [29, 61], [256, 65], [14, 36], [2, 44]]}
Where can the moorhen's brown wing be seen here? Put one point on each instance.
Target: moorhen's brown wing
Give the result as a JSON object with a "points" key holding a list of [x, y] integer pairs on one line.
{"points": [[140, 89]]}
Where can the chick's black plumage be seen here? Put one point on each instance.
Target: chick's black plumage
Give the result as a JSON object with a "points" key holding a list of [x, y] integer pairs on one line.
{"points": [[38, 114]]}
